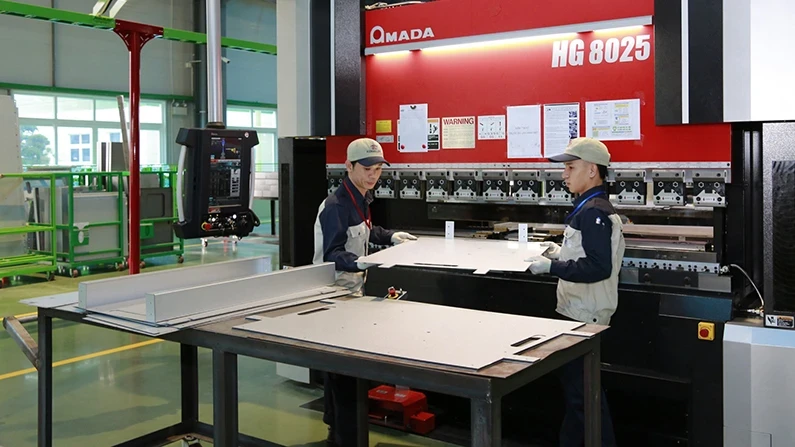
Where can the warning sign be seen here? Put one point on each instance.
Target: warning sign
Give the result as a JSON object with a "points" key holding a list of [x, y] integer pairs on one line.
{"points": [[458, 132]]}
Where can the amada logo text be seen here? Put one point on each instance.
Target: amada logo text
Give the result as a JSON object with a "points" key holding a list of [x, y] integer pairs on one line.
{"points": [[378, 35]]}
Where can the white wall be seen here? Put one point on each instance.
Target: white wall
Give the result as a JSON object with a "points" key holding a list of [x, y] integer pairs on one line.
{"points": [[251, 76], [758, 63], [26, 49]]}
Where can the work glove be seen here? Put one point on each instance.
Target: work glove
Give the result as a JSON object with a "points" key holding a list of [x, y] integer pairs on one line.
{"points": [[363, 265], [401, 237], [539, 265], [553, 252]]}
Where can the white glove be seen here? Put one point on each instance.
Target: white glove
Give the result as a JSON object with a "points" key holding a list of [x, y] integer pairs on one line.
{"points": [[553, 252], [401, 237], [539, 265], [363, 265]]}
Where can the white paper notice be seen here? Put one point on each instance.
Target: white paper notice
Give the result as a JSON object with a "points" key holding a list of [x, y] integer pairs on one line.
{"points": [[413, 128], [491, 127], [561, 125], [458, 132], [613, 120], [524, 132]]}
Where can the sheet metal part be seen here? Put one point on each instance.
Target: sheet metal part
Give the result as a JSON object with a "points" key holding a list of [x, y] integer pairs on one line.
{"points": [[167, 311], [116, 290], [478, 255], [175, 303], [488, 337]]}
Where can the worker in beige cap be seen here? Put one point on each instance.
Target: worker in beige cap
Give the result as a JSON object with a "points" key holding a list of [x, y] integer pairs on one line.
{"points": [[587, 267], [343, 231]]}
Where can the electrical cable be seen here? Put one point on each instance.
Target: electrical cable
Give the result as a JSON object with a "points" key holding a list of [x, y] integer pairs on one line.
{"points": [[760, 311]]}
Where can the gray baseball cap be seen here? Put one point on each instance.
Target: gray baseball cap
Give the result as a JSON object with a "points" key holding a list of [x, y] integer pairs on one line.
{"points": [[584, 148]]}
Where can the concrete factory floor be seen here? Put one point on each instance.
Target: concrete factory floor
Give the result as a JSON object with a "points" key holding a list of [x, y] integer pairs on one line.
{"points": [[110, 386]]}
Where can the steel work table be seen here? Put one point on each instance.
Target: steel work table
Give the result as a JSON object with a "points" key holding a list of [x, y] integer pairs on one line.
{"points": [[485, 388]]}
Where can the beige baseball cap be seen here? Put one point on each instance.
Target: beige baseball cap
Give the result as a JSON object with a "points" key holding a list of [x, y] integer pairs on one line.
{"points": [[584, 148], [366, 152]]}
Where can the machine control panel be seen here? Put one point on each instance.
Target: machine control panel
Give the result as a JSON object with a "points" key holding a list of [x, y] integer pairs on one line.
{"points": [[630, 187], [669, 187], [385, 186], [496, 185], [527, 186], [214, 183], [466, 185], [709, 188]]}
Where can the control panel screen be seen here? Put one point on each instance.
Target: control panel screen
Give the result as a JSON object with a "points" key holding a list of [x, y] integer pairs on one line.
{"points": [[225, 176]]}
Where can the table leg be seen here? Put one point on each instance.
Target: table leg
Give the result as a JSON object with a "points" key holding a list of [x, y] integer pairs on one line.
{"points": [[362, 414], [486, 422], [225, 420], [593, 396], [45, 380], [189, 365]]}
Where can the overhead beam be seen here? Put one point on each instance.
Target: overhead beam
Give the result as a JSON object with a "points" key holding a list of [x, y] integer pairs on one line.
{"points": [[106, 23]]}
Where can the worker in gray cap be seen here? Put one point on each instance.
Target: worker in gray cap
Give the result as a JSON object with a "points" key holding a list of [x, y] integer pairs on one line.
{"points": [[343, 232], [587, 267]]}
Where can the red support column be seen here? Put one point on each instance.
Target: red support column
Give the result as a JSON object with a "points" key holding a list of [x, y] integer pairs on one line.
{"points": [[135, 36]]}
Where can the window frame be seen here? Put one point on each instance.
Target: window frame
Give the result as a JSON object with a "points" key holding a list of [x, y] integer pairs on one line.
{"points": [[94, 125], [260, 167]]}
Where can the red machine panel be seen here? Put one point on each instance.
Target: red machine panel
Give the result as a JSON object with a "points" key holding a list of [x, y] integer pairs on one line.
{"points": [[462, 18], [485, 79]]}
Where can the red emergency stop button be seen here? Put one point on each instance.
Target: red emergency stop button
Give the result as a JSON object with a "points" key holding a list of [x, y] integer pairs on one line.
{"points": [[706, 331]]}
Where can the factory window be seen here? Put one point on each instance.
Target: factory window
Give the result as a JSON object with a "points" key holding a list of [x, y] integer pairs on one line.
{"points": [[262, 120], [65, 129]]}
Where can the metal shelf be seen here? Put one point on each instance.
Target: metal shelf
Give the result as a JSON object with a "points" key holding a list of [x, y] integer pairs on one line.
{"points": [[7, 263], [29, 228]]}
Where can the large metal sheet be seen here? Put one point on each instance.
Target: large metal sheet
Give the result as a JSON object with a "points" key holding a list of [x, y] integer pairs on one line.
{"points": [[116, 290], [52, 301], [416, 331], [480, 255]]}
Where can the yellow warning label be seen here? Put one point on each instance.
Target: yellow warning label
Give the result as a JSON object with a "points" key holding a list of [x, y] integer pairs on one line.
{"points": [[383, 126]]}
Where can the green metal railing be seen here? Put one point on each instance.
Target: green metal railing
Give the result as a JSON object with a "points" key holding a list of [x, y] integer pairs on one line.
{"points": [[107, 23]]}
